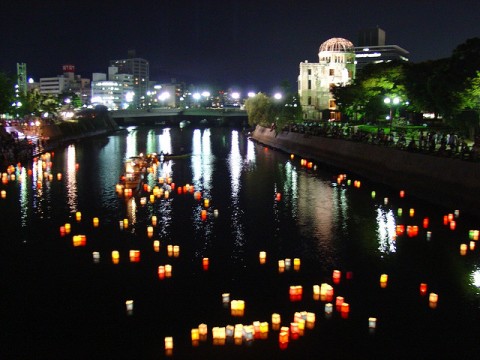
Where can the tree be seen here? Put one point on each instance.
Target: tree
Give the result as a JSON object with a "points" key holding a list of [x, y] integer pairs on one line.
{"points": [[258, 110], [7, 94]]}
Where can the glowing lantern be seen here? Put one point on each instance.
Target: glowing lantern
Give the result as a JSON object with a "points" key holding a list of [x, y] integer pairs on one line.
{"points": [[62, 230], [79, 240], [296, 292], [96, 222], [156, 245], [374, 194], [294, 331], [385, 201], [425, 222], [179, 190], [150, 231], [296, 264], [372, 322], [400, 212], [463, 249], [161, 272], [310, 317], [412, 212], [197, 195], [168, 343], [475, 235], [423, 289], [203, 329], [237, 307], [154, 220], [215, 213], [152, 198], [450, 217], [78, 216], [433, 300], [168, 271], [472, 245], [338, 302], [337, 274], [96, 257], [195, 335], [288, 263], [328, 308], [115, 257], [400, 229], [226, 298], [281, 265], [453, 225], [206, 203], [429, 235], [166, 194], [134, 256], [283, 336], [278, 197], [402, 193], [205, 263], [262, 257], [276, 319], [203, 215], [345, 310], [3, 194], [383, 280], [125, 223], [129, 306], [445, 220], [59, 176]]}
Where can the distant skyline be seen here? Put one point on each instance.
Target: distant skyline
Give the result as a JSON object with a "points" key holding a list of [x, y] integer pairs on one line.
{"points": [[239, 44]]}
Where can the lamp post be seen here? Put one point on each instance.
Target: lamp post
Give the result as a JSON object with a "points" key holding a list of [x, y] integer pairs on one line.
{"points": [[391, 102]]}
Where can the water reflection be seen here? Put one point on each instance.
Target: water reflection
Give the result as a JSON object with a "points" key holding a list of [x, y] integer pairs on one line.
{"points": [[131, 143], [235, 166], [71, 181], [386, 230], [23, 199]]}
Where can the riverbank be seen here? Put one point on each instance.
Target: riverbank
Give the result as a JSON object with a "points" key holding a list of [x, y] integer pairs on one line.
{"points": [[444, 181]]}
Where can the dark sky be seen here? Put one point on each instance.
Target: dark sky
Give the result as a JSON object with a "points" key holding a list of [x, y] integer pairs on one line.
{"points": [[232, 43]]}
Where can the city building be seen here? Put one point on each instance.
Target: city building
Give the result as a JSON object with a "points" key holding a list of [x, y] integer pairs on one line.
{"points": [[115, 92], [371, 48], [336, 66], [68, 83], [140, 70]]}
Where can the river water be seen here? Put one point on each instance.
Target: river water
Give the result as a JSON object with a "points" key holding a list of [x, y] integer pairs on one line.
{"points": [[61, 301]]}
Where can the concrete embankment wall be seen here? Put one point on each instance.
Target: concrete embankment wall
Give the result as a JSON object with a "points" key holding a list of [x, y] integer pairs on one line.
{"points": [[453, 183]]}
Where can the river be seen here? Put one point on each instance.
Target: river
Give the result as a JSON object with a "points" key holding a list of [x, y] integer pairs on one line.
{"points": [[66, 298]]}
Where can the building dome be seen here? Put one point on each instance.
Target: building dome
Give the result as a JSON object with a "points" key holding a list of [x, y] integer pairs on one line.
{"points": [[337, 45]]}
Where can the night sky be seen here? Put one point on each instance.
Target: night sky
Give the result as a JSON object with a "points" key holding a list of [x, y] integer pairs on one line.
{"points": [[248, 45]]}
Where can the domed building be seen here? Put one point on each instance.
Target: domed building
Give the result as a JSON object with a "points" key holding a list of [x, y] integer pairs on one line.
{"points": [[336, 66]]}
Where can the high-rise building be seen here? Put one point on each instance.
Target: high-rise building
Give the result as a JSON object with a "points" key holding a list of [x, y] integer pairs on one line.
{"points": [[116, 92], [335, 67], [140, 70], [21, 89], [67, 83], [371, 48]]}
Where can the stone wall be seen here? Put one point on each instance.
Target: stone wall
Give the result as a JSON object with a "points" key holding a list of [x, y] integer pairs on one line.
{"points": [[445, 181]]}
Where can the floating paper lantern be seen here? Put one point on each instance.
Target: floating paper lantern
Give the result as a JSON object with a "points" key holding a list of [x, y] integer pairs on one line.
{"points": [[475, 235], [296, 292], [425, 222], [154, 220], [96, 222], [337, 274], [450, 217], [423, 289], [281, 265], [168, 270], [179, 190], [283, 336], [203, 215], [161, 272], [203, 329], [79, 240], [433, 300], [170, 250], [294, 331], [338, 302], [168, 343], [205, 263], [3, 194], [195, 335], [62, 231], [472, 245], [328, 308], [400, 229], [445, 220], [197, 195], [226, 298], [115, 256], [166, 194], [134, 256], [292, 156], [463, 249], [176, 250], [262, 257], [296, 264], [453, 225], [402, 193], [345, 310], [78, 216], [429, 235], [129, 306], [372, 323], [237, 307], [96, 257], [383, 280], [156, 245], [385, 201], [152, 198], [125, 223], [59, 176], [150, 231], [288, 263], [412, 212], [310, 317], [373, 194], [316, 289], [206, 203], [278, 196], [400, 212]]}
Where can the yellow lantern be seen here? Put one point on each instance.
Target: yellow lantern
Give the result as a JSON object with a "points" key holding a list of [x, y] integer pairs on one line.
{"points": [[115, 257], [154, 220], [96, 222], [383, 280], [156, 245], [3, 194], [78, 216], [263, 257]]}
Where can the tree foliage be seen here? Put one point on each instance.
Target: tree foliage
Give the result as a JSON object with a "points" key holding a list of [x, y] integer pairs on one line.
{"points": [[7, 93]]}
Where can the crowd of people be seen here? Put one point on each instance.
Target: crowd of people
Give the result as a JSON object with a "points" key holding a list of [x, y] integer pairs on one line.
{"points": [[448, 144], [13, 148]]}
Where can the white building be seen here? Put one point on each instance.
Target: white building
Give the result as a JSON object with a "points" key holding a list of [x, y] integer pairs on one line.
{"points": [[115, 93], [336, 66], [66, 83]]}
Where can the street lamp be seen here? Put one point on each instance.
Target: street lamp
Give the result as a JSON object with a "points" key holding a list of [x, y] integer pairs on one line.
{"points": [[391, 102]]}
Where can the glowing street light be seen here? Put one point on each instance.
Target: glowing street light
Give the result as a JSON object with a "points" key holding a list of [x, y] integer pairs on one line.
{"points": [[277, 96], [235, 95], [391, 103], [251, 94]]}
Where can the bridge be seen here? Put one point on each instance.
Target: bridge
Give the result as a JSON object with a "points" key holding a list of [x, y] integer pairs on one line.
{"points": [[166, 116]]}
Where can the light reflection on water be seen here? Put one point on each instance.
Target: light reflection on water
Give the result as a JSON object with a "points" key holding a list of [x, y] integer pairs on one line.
{"points": [[386, 230], [71, 179], [235, 166]]}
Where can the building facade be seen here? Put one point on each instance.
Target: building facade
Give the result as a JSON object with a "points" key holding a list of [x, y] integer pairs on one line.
{"points": [[336, 66], [115, 92], [67, 83], [371, 49], [140, 70]]}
